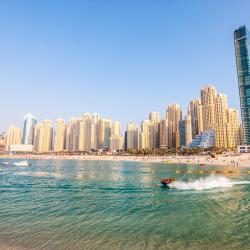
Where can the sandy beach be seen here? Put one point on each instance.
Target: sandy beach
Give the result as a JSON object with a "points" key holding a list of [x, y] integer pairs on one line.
{"points": [[231, 160]]}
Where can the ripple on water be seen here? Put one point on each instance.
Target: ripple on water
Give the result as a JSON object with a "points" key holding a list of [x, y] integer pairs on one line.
{"points": [[119, 205]]}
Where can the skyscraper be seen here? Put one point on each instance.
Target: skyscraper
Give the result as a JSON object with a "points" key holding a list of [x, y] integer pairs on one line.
{"points": [[196, 117], [145, 134], [85, 127], [132, 136], [14, 136], [116, 139], [208, 97], [105, 126], [188, 129], [221, 108], [215, 117], [163, 133], [43, 137], [233, 129], [28, 128], [241, 44], [174, 116], [36, 137], [182, 133], [60, 135], [95, 131], [72, 134], [154, 118]]}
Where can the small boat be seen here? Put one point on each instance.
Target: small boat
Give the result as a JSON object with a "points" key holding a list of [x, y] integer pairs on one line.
{"points": [[167, 181], [22, 164], [202, 164], [5, 162]]}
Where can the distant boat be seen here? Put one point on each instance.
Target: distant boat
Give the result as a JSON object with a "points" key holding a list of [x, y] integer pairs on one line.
{"points": [[202, 164], [5, 162], [22, 164]]}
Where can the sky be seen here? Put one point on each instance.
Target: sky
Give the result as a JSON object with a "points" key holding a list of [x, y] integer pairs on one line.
{"points": [[121, 59]]}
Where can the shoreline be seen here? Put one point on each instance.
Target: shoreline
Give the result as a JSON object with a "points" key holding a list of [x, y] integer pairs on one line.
{"points": [[230, 160]]}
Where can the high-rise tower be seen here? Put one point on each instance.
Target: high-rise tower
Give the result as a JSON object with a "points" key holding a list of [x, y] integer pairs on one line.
{"points": [[174, 116], [28, 128], [60, 135], [132, 136], [154, 118], [241, 44], [208, 97]]}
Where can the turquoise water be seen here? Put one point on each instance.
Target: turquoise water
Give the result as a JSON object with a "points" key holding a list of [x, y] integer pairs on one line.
{"points": [[60, 204]]}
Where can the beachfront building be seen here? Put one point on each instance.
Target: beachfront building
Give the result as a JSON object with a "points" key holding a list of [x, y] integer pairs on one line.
{"points": [[116, 139], [241, 44], [221, 108], [182, 133], [154, 118], [94, 131], [60, 136], [43, 137], [28, 129], [72, 135], [87, 133], [208, 96], [163, 133], [2, 142], [173, 116], [195, 108], [234, 131], [13, 137], [188, 129], [105, 126], [85, 127], [145, 138], [204, 140], [185, 131], [36, 137], [132, 134], [82, 135], [216, 117]]}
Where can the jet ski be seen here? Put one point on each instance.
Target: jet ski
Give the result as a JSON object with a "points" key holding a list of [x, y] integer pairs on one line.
{"points": [[167, 181]]}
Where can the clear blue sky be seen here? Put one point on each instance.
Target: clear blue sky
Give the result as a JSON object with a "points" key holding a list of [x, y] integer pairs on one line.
{"points": [[121, 59]]}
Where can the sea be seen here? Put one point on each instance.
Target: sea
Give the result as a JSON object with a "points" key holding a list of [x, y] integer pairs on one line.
{"points": [[71, 205]]}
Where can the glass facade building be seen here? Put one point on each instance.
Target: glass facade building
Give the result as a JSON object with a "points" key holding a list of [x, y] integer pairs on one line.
{"points": [[241, 44], [182, 133], [28, 129], [204, 140]]}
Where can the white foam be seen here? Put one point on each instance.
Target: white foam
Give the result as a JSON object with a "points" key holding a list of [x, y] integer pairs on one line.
{"points": [[209, 182]]}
